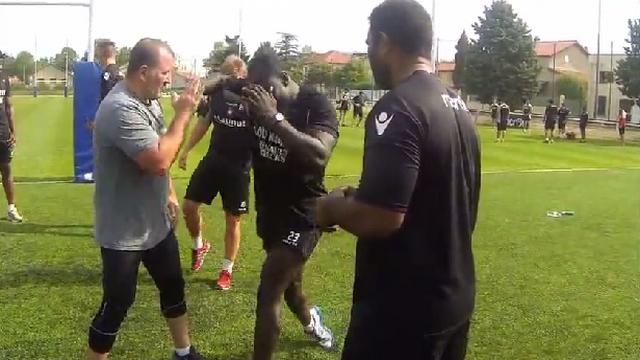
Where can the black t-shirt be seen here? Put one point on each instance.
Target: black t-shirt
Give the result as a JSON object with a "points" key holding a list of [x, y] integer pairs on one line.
{"points": [[421, 157], [551, 113], [231, 136], [358, 101], [563, 112], [584, 119], [5, 92], [505, 111], [285, 188], [110, 77]]}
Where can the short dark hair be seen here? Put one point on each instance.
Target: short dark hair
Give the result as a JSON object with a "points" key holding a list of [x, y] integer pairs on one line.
{"points": [[263, 66], [550, 101], [406, 23], [145, 52]]}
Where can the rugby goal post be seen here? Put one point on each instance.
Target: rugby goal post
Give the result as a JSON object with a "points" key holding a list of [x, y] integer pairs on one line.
{"points": [[86, 93]]}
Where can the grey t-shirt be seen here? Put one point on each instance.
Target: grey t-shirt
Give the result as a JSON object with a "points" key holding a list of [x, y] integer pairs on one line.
{"points": [[130, 205]]}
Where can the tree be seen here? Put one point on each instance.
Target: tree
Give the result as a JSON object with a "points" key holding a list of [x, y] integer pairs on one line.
{"points": [[573, 87], [502, 61], [319, 74], [23, 65], [223, 49], [355, 72], [306, 49], [461, 54], [60, 60], [123, 56], [287, 48], [628, 71]]}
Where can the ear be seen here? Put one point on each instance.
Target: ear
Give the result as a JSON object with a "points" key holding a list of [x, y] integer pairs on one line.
{"points": [[284, 77], [385, 46]]}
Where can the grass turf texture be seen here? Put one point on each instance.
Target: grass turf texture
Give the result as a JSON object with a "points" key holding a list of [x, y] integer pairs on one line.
{"points": [[547, 288]]}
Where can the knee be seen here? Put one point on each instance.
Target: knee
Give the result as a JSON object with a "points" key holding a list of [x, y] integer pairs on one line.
{"points": [[106, 324], [172, 299]]}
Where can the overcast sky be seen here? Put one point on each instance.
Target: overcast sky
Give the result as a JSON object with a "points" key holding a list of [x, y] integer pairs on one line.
{"points": [[192, 26]]}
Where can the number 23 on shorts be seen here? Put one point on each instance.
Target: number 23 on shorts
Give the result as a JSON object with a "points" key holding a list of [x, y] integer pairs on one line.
{"points": [[292, 239]]}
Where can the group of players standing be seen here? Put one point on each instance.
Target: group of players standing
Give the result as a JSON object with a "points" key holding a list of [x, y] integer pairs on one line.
{"points": [[554, 116]]}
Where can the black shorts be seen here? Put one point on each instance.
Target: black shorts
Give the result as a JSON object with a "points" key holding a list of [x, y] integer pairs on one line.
{"points": [[562, 125], [357, 111], [621, 130], [374, 336], [221, 175], [303, 242], [502, 126], [549, 125], [6, 152]]}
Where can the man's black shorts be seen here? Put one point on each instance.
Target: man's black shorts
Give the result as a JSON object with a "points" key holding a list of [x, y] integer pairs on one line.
{"points": [[562, 125], [6, 152], [621, 130], [375, 335], [357, 111], [221, 175], [302, 241], [549, 125], [502, 125]]}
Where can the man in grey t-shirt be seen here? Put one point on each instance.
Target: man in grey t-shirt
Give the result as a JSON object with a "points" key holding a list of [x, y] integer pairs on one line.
{"points": [[135, 204]]}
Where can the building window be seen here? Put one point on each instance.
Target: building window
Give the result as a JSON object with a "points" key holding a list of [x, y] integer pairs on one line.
{"points": [[606, 77], [602, 105], [566, 59]]}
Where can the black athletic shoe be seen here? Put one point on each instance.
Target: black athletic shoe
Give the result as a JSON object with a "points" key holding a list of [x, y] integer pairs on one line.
{"points": [[193, 355]]}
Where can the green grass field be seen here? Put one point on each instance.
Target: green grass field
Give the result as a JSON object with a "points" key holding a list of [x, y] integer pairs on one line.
{"points": [[548, 288]]}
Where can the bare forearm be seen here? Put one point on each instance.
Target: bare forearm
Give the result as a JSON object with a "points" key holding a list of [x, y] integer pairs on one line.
{"points": [[172, 191], [170, 142], [10, 118], [196, 135], [306, 148]]}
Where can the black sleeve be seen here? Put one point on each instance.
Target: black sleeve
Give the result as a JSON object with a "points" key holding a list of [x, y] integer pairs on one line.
{"points": [[391, 162], [321, 115]]}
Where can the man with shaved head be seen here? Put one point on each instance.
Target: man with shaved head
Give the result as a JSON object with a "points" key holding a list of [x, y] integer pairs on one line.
{"points": [[135, 203], [224, 169]]}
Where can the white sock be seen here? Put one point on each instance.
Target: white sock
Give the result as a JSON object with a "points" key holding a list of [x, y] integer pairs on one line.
{"points": [[11, 207], [227, 265], [183, 351], [197, 242]]}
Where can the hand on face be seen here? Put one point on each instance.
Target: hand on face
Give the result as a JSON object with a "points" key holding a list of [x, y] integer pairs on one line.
{"points": [[262, 104]]}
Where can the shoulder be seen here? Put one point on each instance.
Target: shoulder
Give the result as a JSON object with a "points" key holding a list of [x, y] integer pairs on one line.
{"points": [[310, 97]]}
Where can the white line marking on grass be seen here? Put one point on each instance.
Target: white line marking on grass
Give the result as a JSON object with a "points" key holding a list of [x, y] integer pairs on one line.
{"points": [[490, 172]]}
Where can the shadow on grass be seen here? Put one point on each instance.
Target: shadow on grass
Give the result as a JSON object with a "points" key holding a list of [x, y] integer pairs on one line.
{"points": [[42, 179], [82, 230], [51, 275]]}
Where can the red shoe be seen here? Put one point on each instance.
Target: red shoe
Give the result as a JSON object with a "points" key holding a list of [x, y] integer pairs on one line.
{"points": [[224, 280], [197, 256]]}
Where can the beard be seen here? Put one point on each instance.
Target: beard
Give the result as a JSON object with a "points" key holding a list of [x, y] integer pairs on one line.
{"points": [[381, 73]]}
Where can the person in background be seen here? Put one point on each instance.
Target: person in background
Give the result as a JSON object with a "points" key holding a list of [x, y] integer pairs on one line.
{"points": [[563, 114], [7, 144], [343, 107], [111, 74], [550, 119], [358, 107], [584, 120], [495, 112], [224, 170], [505, 111], [527, 111], [622, 124]]}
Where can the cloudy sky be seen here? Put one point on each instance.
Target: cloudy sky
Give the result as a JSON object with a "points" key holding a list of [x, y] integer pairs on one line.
{"points": [[192, 26]]}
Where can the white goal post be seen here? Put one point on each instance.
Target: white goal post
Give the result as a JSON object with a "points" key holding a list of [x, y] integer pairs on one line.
{"points": [[88, 4]]}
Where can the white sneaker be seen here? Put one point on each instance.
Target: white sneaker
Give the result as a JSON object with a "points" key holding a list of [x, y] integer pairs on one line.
{"points": [[320, 333], [14, 216]]}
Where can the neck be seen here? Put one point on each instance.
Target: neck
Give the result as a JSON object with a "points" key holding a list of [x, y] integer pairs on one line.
{"points": [[406, 68], [136, 90]]}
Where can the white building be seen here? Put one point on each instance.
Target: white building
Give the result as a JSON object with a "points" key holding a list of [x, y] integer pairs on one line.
{"points": [[610, 99]]}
